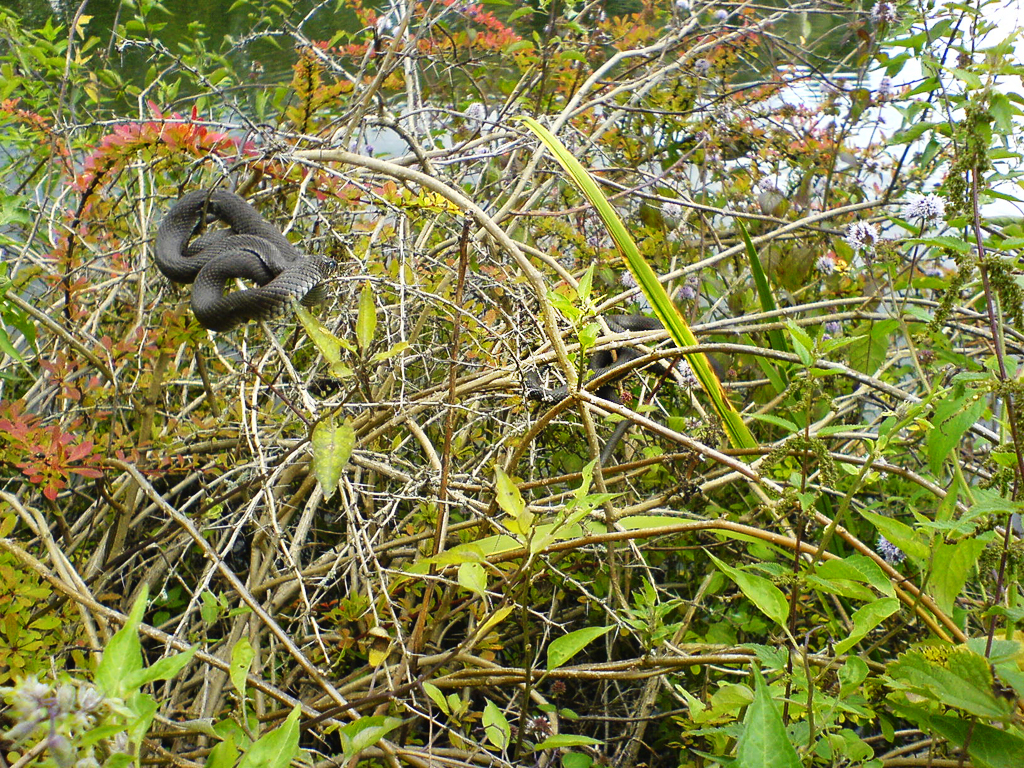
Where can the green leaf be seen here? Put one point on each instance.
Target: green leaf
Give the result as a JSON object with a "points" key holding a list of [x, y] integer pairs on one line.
{"points": [[760, 591], [496, 727], [436, 696], [511, 501], [564, 648], [954, 415], [122, 657], [223, 755], [242, 655], [162, 669], [327, 343], [585, 284], [563, 740], [963, 680], [387, 354], [365, 732], [144, 708], [957, 244], [858, 568], [867, 618], [778, 421], [914, 544], [764, 743], [988, 748], [764, 291], [332, 447], [953, 563], [576, 760], [663, 306], [277, 748], [871, 347], [473, 577], [366, 320], [492, 621]]}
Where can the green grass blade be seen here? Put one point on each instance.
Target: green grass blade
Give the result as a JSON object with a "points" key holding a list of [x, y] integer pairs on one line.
{"points": [[764, 291], [645, 277]]}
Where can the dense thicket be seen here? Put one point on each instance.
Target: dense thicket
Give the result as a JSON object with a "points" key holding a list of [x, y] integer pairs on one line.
{"points": [[382, 528]]}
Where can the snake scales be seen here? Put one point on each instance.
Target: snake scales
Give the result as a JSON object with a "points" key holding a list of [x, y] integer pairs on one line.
{"points": [[251, 249]]}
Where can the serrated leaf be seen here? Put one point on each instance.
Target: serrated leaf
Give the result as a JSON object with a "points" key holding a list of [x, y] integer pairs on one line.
{"points": [[954, 564], [953, 416], [913, 544], [963, 681], [988, 747], [858, 568]]}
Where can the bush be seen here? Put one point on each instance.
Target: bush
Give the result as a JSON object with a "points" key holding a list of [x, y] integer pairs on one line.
{"points": [[382, 528]]}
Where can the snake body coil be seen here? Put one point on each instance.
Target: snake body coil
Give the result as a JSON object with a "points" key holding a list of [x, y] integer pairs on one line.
{"points": [[253, 249]]}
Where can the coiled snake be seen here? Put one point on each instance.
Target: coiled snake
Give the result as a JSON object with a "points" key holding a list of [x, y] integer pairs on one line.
{"points": [[253, 249]]}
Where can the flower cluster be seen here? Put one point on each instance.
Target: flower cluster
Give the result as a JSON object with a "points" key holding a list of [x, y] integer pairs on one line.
{"points": [[58, 717], [476, 114], [884, 88], [889, 551], [862, 236], [884, 12], [686, 375], [930, 208], [688, 290]]}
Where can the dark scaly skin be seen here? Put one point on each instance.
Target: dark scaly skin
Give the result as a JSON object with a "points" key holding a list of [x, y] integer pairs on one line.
{"points": [[253, 250], [602, 361]]}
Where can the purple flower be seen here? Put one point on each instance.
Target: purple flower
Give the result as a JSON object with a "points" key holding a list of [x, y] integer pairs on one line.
{"points": [[885, 88], [889, 551], [825, 265], [702, 66], [930, 208], [862, 236], [686, 375], [688, 290], [833, 328], [884, 12], [476, 113]]}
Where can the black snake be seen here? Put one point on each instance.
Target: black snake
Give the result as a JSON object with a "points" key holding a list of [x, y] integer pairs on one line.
{"points": [[252, 249]]}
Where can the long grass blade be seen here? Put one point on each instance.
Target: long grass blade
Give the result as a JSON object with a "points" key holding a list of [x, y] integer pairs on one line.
{"points": [[664, 308]]}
